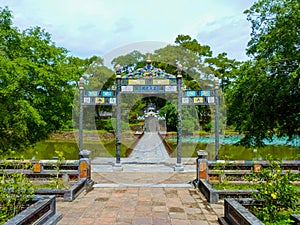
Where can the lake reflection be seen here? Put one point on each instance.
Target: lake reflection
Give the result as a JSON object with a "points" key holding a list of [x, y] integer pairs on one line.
{"points": [[228, 150], [46, 150]]}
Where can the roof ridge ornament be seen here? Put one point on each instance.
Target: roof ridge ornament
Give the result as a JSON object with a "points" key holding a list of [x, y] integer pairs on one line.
{"points": [[148, 72], [148, 61]]}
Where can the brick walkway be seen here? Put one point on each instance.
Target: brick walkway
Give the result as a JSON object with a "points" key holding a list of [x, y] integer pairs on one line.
{"points": [[138, 197]]}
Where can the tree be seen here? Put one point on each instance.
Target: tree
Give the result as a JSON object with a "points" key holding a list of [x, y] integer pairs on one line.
{"points": [[170, 113], [37, 81], [129, 61], [223, 68], [264, 100], [196, 73], [193, 45]]}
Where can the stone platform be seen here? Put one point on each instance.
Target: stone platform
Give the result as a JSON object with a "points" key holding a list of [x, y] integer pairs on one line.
{"points": [[141, 194]]}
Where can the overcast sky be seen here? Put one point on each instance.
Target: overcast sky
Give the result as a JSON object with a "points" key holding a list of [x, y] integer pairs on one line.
{"points": [[99, 27]]}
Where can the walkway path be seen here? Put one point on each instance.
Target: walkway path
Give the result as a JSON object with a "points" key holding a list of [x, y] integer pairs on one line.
{"points": [[150, 149], [144, 191], [141, 194]]}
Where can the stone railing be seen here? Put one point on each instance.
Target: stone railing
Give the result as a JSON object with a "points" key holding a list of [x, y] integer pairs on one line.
{"points": [[236, 214], [67, 169], [65, 194], [213, 196], [41, 212], [239, 168]]}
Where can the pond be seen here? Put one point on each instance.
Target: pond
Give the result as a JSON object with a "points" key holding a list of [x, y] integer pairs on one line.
{"points": [[47, 149], [279, 149]]}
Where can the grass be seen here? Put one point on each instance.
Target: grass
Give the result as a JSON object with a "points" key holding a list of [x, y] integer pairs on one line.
{"points": [[231, 186], [245, 186]]}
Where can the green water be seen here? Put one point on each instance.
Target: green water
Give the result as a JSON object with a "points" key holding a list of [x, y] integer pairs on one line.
{"points": [[106, 148], [232, 152], [46, 149]]}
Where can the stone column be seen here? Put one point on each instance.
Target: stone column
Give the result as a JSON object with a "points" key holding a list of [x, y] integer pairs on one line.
{"points": [[217, 142], [81, 97], [117, 165], [179, 166]]}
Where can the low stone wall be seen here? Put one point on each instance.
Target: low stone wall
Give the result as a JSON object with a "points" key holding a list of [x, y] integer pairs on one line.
{"points": [[65, 194], [250, 164], [208, 191], [42, 212], [222, 194], [239, 168], [68, 169], [236, 214], [213, 196], [295, 218]]}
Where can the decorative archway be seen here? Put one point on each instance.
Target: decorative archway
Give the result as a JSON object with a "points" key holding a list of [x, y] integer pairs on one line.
{"points": [[149, 80]]}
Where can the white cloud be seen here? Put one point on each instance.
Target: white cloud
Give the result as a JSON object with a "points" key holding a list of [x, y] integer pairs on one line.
{"points": [[93, 27], [229, 35]]}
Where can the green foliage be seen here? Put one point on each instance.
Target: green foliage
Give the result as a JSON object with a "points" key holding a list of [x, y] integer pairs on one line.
{"points": [[37, 81], [56, 181], [129, 60], [16, 191], [193, 45], [137, 109], [264, 99], [276, 192], [167, 58], [190, 121], [188, 127], [204, 115], [191, 54], [251, 106], [223, 68], [108, 125], [221, 166], [99, 77], [170, 112], [231, 186]]}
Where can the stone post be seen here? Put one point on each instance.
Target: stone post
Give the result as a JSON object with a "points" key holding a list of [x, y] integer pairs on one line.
{"points": [[202, 165], [85, 164]]}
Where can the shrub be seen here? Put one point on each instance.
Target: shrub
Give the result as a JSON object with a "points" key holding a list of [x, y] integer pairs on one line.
{"points": [[16, 190], [277, 194], [56, 182]]}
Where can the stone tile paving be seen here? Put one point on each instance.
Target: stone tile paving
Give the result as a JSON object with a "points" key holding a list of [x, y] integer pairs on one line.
{"points": [[141, 194], [140, 206], [143, 177]]}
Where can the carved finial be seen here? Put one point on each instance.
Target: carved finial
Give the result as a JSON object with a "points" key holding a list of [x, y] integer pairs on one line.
{"points": [[148, 61]]}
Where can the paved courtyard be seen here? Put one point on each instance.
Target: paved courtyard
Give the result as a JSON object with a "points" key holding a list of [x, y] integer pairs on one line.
{"points": [[141, 194]]}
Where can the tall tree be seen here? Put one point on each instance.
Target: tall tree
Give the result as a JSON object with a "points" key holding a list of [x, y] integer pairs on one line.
{"points": [[129, 61], [264, 100], [36, 85], [223, 68], [193, 45]]}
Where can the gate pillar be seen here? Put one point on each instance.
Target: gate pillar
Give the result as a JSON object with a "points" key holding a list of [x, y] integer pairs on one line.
{"points": [[179, 166]]}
